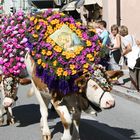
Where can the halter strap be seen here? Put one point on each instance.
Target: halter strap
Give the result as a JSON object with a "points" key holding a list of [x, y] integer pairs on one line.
{"points": [[101, 96]]}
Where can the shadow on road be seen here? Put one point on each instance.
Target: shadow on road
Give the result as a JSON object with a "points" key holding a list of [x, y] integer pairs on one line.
{"points": [[30, 114], [94, 130]]}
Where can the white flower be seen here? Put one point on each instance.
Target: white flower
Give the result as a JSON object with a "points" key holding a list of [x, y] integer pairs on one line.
{"points": [[103, 80], [8, 87], [97, 72]]}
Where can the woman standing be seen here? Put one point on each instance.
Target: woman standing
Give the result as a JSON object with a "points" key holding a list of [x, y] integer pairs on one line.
{"points": [[115, 48], [131, 51]]}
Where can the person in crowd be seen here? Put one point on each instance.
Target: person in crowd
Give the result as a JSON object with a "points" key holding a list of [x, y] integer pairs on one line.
{"points": [[104, 36], [130, 51], [138, 42], [97, 28], [115, 48]]}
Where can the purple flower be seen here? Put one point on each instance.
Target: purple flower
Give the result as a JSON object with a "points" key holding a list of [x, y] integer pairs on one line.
{"points": [[84, 35]]}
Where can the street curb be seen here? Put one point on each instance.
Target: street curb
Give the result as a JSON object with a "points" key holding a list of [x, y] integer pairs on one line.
{"points": [[129, 96]]}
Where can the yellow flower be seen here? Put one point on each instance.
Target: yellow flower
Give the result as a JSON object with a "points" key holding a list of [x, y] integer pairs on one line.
{"points": [[58, 26], [48, 40], [78, 50], [52, 43], [68, 55], [49, 53], [59, 71], [72, 26], [43, 65], [32, 18], [53, 22], [86, 65], [88, 43], [72, 55], [65, 73], [49, 27], [89, 56], [95, 53], [85, 70], [39, 61], [78, 23], [50, 31], [74, 72], [46, 34], [64, 53], [43, 52], [38, 27], [78, 32], [35, 35], [35, 21], [58, 48], [91, 59], [62, 14], [55, 63], [72, 67]]}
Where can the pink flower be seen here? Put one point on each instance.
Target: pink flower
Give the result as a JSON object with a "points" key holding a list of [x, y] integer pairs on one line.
{"points": [[21, 31], [23, 66], [1, 60], [20, 18], [19, 64], [9, 50], [21, 59], [17, 46], [12, 22], [18, 71], [17, 58], [11, 55], [11, 60], [11, 70], [21, 53], [24, 40]]}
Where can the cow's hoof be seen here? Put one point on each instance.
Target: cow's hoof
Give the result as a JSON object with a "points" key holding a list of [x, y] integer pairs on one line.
{"points": [[11, 121], [1, 121], [46, 137]]}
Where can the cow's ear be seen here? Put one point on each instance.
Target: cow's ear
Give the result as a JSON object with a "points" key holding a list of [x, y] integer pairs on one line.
{"points": [[82, 81], [24, 81], [114, 73]]}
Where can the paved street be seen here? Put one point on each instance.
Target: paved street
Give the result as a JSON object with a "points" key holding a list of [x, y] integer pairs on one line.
{"points": [[119, 123]]}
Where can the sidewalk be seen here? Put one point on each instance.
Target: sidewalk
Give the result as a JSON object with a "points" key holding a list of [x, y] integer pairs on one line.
{"points": [[125, 91]]}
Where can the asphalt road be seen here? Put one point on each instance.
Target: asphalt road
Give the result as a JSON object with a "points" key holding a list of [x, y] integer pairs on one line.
{"points": [[119, 123]]}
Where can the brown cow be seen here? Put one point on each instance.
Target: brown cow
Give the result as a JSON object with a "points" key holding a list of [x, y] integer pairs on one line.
{"points": [[90, 92]]}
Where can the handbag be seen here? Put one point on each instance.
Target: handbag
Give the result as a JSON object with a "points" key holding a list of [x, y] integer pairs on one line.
{"points": [[117, 55]]}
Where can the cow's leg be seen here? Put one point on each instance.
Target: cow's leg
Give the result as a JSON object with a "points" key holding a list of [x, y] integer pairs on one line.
{"points": [[10, 117], [75, 124], [44, 114], [1, 116], [65, 119]]}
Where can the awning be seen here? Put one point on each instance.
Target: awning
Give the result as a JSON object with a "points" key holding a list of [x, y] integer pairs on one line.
{"points": [[99, 2]]}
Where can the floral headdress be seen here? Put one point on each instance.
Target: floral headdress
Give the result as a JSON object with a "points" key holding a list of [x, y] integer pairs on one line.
{"points": [[100, 77], [57, 62], [13, 43]]}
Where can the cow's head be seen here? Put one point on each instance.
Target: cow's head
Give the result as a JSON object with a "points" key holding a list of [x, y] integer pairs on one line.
{"points": [[96, 88], [9, 87]]}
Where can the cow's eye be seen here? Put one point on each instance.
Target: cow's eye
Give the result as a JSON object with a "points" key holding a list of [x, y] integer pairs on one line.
{"points": [[95, 87]]}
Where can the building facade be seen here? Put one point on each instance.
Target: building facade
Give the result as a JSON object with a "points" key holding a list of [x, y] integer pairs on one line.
{"points": [[123, 12]]}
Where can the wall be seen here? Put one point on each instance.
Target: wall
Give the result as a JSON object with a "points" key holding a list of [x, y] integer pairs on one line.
{"points": [[130, 14]]}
